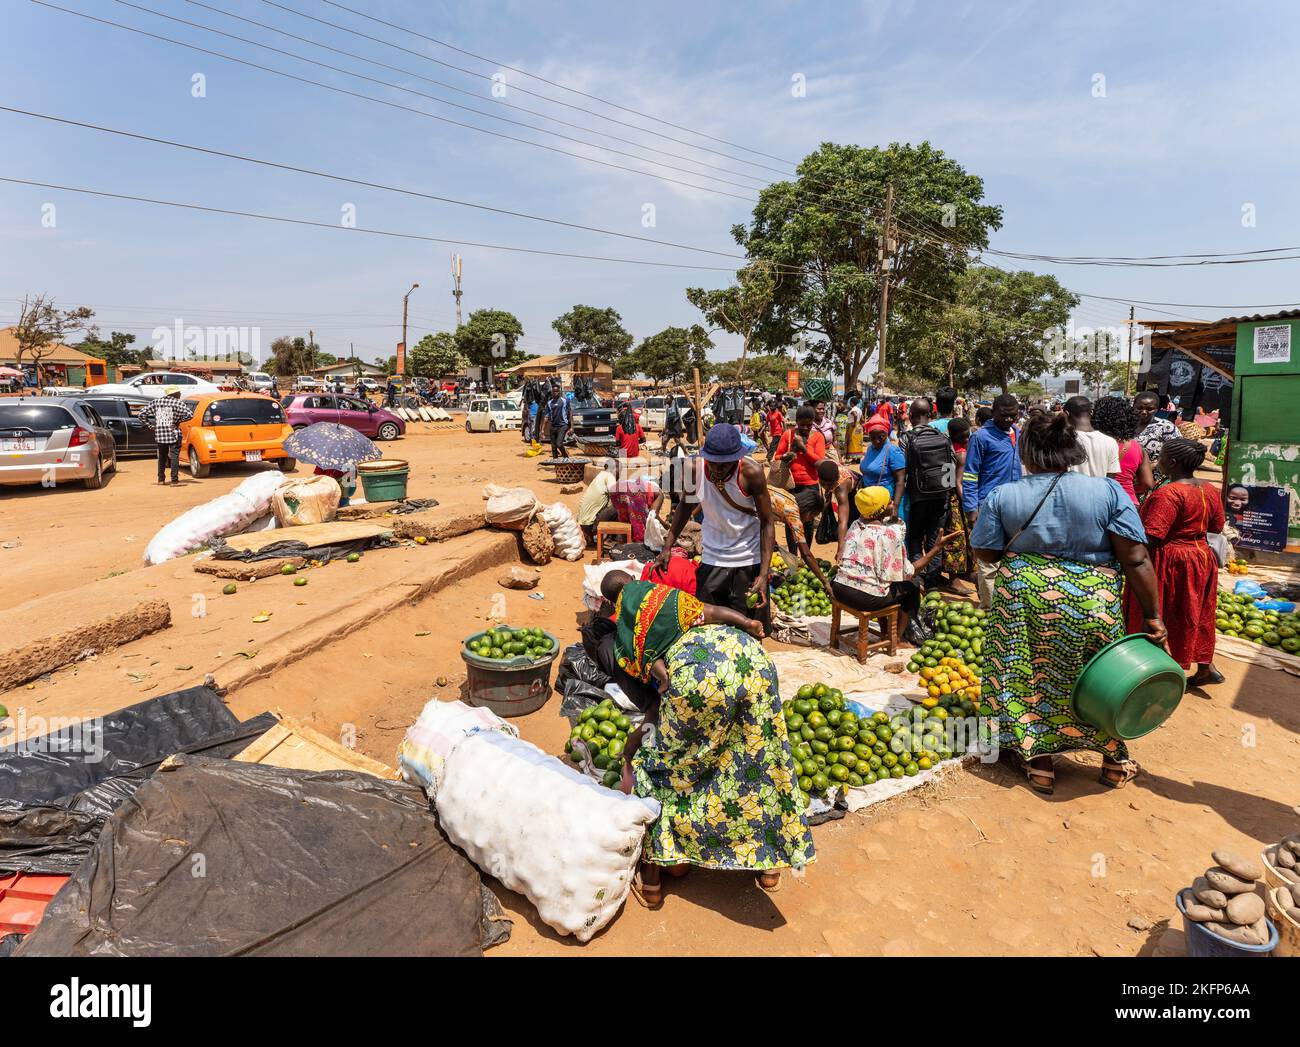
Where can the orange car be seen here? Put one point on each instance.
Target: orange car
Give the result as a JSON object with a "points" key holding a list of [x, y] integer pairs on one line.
{"points": [[234, 427]]}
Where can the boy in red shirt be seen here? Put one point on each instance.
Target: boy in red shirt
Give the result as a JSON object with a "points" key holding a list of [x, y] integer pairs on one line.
{"points": [[775, 429]]}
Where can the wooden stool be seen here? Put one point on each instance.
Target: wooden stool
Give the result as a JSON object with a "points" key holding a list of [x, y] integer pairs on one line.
{"points": [[612, 528], [886, 616]]}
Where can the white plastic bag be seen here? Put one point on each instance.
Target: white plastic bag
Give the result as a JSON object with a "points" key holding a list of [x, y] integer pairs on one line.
{"points": [[655, 533], [567, 844], [569, 541], [310, 500], [440, 727], [511, 509], [229, 513]]}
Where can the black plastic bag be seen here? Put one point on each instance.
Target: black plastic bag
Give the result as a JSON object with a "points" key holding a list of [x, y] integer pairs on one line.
{"points": [[828, 527], [580, 680]]}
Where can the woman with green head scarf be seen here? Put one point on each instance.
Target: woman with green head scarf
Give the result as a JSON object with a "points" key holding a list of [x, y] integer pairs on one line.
{"points": [[719, 762]]}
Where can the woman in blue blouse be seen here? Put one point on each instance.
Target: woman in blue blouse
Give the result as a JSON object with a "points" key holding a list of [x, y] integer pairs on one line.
{"points": [[1065, 544], [883, 464]]}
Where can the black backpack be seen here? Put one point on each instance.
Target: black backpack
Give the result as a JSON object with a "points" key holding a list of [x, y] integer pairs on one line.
{"points": [[931, 465]]}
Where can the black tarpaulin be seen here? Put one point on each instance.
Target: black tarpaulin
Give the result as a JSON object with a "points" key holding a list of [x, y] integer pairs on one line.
{"points": [[56, 789], [214, 857]]}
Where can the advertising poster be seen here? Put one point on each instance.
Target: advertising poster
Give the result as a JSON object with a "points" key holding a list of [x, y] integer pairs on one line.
{"points": [[1259, 514]]}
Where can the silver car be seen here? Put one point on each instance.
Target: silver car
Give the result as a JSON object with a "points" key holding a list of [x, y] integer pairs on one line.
{"points": [[54, 439]]}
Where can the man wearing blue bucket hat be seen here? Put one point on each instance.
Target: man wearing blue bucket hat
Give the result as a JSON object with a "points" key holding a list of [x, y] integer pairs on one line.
{"points": [[738, 533]]}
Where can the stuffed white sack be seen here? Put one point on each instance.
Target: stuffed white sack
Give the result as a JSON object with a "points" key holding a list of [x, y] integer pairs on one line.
{"points": [[566, 843], [227, 514]]}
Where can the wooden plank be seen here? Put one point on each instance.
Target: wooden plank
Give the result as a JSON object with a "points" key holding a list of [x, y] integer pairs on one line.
{"points": [[296, 746], [309, 534]]}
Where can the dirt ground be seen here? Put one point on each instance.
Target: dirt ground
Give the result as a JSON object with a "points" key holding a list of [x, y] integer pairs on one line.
{"points": [[976, 865]]}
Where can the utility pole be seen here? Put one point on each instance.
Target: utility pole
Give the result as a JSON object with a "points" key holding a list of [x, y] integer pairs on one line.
{"points": [[884, 254], [401, 356], [1128, 371], [455, 280], [311, 350]]}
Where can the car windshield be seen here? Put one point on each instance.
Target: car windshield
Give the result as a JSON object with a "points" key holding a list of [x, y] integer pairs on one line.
{"points": [[243, 411], [39, 418]]}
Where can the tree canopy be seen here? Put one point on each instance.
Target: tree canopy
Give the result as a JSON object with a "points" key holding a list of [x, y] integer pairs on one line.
{"points": [[488, 338], [764, 370], [996, 331], [436, 355], [823, 231], [741, 308], [669, 355], [588, 329], [42, 325]]}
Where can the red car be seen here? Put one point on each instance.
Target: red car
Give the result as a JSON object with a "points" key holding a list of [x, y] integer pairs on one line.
{"points": [[303, 409]]}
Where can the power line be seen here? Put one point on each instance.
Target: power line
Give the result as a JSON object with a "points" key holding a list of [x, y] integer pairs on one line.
{"points": [[468, 94], [423, 94], [360, 182], [385, 102], [360, 229], [542, 79]]}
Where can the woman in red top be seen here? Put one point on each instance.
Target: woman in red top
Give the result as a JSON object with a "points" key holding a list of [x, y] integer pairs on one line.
{"points": [[775, 429], [629, 434], [1177, 517]]}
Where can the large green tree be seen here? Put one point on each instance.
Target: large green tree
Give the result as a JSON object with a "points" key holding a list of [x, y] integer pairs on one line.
{"points": [[488, 338], [292, 356], [42, 326], [1000, 328], [436, 355], [116, 349], [587, 329], [823, 232], [669, 355]]}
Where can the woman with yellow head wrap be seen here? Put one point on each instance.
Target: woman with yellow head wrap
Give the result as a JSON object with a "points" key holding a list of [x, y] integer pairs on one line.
{"points": [[874, 571]]}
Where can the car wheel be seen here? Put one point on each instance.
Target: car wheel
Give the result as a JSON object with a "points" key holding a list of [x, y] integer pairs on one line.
{"points": [[389, 431], [94, 483], [299, 428], [467, 427], [288, 465], [197, 469], [492, 427]]}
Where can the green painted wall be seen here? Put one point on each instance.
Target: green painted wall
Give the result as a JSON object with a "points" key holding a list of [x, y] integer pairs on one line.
{"points": [[1265, 439]]}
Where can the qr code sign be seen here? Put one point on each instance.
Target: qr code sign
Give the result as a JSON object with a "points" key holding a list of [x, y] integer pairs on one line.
{"points": [[1273, 344]]}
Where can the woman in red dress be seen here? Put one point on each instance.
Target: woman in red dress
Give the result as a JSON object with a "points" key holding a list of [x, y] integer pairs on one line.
{"points": [[1177, 518]]}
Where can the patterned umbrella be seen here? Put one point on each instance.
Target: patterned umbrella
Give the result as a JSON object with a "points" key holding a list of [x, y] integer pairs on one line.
{"points": [[331, 446]]}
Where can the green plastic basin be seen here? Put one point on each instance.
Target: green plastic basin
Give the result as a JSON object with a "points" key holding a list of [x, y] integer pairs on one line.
{"points": [[1128, 688], [385, 480]]}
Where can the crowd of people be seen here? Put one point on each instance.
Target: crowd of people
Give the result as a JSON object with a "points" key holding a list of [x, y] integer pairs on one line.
{"points": [[1072, 524]]}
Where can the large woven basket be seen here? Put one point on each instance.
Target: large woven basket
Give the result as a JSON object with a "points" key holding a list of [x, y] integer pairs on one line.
{"points": [[1191, 431]]}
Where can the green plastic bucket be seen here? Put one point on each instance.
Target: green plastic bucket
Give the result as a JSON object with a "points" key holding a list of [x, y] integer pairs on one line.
{"points": [[384, 480], [1128, 688]]}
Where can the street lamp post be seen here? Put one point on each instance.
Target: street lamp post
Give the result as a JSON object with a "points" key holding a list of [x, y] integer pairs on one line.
{"points": [[401, 369]]}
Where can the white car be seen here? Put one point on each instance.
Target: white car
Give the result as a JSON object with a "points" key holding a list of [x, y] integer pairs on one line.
{"points": [[371, 386], [154, 383], [490, 415], [261, 382], [305, 383], [655, 413]]}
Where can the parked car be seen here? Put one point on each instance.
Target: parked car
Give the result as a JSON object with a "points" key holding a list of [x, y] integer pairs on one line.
{"points": [[234, 427], [306, 383], [261, 382], [121, 414], [371, 386], [361, 415], [154, 383], [487, 415], [655, 415], [54, 438]]}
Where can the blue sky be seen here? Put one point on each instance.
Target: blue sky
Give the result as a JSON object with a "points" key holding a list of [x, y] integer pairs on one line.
{"points": [[1197, 121]]}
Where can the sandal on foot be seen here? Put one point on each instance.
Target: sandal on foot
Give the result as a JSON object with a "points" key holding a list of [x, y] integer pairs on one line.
{"points": [[650, 895], [1126, 769], [1041, 779]]}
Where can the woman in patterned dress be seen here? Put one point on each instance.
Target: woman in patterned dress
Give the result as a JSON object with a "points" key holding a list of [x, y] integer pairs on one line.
{"points": [[720, 762], [1064, 543], [957, 560]]}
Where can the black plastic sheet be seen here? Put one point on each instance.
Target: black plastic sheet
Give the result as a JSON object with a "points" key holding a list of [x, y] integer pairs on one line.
{"points": [[220, 858], [56, 789]]}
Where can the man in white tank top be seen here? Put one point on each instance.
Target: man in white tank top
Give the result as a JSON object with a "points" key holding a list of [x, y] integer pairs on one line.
{"points": [[738, 533]]}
